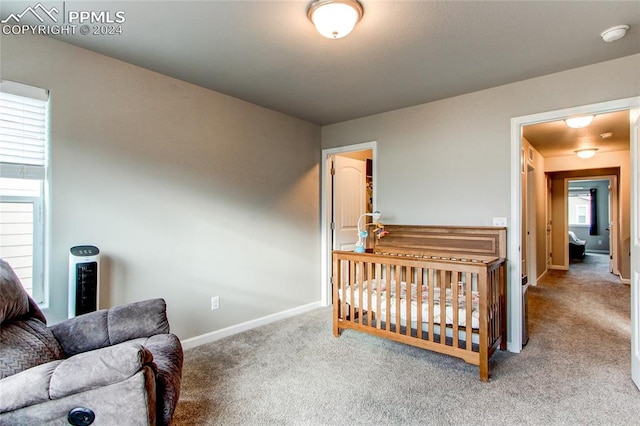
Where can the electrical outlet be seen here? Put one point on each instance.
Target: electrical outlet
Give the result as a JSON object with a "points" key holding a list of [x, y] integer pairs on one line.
{"points": [[499, 221], [215, 303]]}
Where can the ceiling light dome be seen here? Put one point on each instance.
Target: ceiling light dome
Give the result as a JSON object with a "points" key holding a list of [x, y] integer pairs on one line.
{"points": [[586, 153], [579, 122], [335, 18], [614, 33]]}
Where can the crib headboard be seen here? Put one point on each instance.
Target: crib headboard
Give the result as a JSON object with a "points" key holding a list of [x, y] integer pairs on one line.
{"points": [[481, 242]]}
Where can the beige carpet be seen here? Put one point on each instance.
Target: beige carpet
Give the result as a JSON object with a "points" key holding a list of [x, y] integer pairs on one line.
{"points": [[575, 370]]}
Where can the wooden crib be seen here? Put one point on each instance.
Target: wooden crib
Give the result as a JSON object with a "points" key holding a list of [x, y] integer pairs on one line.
{"points": [[398, 291]]}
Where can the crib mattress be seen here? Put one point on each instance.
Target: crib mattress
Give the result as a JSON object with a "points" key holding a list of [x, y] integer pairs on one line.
{"points": [[384, 290]]}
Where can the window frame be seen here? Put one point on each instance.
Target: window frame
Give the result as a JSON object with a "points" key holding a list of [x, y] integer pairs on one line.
{"points": [[582, 211], [32, 171], [38, 292]]}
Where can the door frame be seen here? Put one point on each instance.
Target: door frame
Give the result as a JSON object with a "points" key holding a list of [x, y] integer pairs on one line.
{"points": [[326, 206], [548, 223], [531, 231], [514, 291], [635, 242]]}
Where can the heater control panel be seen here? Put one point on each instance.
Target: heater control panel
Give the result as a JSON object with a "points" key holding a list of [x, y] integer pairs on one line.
{"points": [[83, 251]]}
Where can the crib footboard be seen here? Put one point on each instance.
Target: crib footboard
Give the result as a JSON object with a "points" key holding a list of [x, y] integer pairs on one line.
{"points": [[447, 305]]}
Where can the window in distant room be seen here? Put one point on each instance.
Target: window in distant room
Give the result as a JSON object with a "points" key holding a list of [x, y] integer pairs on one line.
{"points": [[579, 208], [23, 162]]}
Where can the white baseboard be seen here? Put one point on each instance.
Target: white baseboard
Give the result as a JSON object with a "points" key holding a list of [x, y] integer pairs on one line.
{"points": [[559, 267], [537, 280], [239, 328]]}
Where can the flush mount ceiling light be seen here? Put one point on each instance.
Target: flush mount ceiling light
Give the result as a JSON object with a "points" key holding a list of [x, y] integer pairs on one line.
{"points": [[614, 33], [335, 18], [579, 122], [586, 153]]}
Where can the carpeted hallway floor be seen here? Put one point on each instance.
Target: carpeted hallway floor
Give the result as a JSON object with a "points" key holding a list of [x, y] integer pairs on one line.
{"points": [[575, 370]]}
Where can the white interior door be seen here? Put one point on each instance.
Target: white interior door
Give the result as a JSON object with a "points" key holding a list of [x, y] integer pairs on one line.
{"points": [[635, 245], [349, 200], [532, 230]]}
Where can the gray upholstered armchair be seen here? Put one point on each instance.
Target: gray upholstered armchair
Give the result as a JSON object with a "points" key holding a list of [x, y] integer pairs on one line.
{"points": [[115, 366]]}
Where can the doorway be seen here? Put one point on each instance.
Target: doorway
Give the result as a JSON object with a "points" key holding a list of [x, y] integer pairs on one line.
{"points": [[518, 170], [592, 207], [584, 216], [344, 197]]}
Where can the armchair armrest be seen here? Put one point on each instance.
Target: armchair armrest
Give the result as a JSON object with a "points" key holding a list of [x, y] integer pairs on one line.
{"points": [[111, 326], [77, 374]]}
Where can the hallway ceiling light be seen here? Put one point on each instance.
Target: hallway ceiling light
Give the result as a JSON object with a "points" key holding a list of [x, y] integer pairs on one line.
{"points": [[586, 153], [579, 122], [614, 33], [335, 18]]}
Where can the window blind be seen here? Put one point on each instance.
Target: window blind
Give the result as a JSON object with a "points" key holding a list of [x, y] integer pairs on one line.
{"points": [[23, 132], [23, 159]]}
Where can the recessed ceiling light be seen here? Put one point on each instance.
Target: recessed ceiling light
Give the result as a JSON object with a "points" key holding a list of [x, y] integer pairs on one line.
{"points": [[614, 33], [606, 135]]}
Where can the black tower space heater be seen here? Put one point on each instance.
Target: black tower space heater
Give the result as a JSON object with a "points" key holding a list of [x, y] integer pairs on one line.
{"points": [[84, 279]]}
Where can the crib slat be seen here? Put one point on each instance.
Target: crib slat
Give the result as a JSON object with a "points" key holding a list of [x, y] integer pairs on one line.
{"points": [[352, 281], [360, 285], [379, 279], [483, 318], [398, 279], [493, 317], [431, 276], [335, 284], [387, 318], [419, 281], [455, 289], [370, 281], [469, 310], [344, 284], [442, 281], [408, 280]]}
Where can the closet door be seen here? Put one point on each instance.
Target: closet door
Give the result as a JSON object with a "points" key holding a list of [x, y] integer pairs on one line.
{"points": [[349, 200]]}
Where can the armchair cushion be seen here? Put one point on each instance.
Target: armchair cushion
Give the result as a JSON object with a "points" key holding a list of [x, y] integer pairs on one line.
{"points": [[112, 326], [25, 344], [14, 301], [26, 388], [80, 373], [98, 368]]}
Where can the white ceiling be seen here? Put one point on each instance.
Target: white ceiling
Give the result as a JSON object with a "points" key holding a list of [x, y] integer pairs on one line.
{"points": [[401, 54]]}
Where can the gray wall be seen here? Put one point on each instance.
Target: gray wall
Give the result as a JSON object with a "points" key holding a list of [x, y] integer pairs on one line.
{"points": [[187, 192], [453, 155]]}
